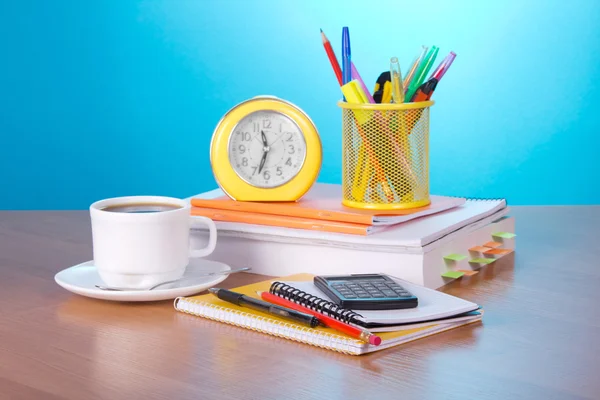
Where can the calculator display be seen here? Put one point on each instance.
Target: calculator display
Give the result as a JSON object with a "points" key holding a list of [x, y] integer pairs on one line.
{"points": [[366, 292]]}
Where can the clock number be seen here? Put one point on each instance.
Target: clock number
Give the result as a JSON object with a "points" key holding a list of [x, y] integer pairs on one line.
{"points": [[266, 123], [267, 175], [279, 171], [290, 138], [254, 172], [291, 149], [289, 161], [245, 162], [256, 126], [242, 148], [246, 136]]}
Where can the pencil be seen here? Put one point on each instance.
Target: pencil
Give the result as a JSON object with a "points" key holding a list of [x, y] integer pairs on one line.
{"points": [[332, 58]]}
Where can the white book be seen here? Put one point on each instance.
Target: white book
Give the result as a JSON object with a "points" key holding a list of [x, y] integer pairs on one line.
{"points": [[414, 251]]}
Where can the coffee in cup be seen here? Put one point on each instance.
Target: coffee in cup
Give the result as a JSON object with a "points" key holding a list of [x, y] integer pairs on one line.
{"points": [[141, 207]]}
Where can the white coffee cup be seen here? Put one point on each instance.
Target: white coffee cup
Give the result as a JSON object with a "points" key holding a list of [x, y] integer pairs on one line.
{"points": [[141, 241]]}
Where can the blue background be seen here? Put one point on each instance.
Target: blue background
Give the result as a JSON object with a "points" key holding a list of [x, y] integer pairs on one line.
{"points": [[109, 98]]}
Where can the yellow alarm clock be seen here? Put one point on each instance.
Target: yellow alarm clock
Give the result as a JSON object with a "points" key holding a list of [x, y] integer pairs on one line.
{"points": [[265, 149]]}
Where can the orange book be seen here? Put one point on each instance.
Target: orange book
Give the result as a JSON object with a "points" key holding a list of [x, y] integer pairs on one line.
{"points": [[284, 221], [323, 202]]}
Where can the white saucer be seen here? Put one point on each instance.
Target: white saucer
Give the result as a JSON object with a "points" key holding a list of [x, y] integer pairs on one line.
{"points": [[81, 279]]}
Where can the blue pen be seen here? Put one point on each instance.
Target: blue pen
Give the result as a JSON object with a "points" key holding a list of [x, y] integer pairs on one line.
{"points": [[346, 59]]}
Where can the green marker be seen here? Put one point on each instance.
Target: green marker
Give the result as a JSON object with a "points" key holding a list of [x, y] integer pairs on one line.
{"points": [[422, 72]]}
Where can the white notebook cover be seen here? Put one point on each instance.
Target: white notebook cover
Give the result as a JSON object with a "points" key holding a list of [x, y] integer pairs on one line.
{"points": [[432, 305]]}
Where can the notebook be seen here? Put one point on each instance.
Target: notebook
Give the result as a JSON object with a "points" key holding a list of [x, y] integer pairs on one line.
{"points": [[415, 233], [210, 307], [433, 306], [322, 202], [285, 221]]}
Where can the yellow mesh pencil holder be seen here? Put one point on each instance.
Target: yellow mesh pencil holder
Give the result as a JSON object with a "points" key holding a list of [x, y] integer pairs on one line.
{"points": [[385, 155]]}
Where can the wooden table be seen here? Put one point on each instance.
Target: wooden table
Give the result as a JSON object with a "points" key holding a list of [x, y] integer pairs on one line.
{"points": [[540, 338]]}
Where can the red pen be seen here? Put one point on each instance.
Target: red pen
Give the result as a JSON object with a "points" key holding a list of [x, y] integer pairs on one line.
{"points": [[326, 320], [332, 59]]}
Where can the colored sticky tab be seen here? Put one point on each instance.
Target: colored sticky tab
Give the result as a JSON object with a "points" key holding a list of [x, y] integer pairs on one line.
{"points": [[453, 274], [454, 257], [504, 235], [498, 252], [482, 260], [493, 245], [479, 249], [468, 272]]}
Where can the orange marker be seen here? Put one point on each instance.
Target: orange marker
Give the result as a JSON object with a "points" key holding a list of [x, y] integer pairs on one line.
{"points": [[425, 91]]}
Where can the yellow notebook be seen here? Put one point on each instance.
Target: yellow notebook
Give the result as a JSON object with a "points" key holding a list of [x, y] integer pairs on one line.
{"points": [[211, 307]]}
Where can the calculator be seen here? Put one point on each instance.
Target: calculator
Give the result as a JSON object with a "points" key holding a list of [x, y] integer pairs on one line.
{"points": [[366, 292]]}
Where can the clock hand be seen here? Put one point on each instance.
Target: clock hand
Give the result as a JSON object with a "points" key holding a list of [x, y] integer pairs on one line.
{"points": [[262, 162], [265, 151], [264, 139]]}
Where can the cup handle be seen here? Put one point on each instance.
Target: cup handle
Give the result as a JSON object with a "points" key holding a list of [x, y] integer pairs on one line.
{"points": [[212, 238]]}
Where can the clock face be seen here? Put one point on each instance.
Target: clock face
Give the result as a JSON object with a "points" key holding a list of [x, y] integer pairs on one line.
{"points": [[266, 149]]}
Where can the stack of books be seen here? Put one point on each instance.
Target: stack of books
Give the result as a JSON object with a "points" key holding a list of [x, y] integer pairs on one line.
{"points": [[428, 246]]}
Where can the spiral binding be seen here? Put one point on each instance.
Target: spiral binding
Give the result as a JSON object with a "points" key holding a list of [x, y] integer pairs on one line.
{"points": [[484, 199], [314, 303]]}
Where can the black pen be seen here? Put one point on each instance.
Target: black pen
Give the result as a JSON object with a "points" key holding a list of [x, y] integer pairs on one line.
{"points": [[247, 301]]}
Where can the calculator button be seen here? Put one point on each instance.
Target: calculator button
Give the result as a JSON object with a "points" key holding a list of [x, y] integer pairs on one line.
{"points": [[378, 295], [350, 296], [364, 296], [389, 293]]}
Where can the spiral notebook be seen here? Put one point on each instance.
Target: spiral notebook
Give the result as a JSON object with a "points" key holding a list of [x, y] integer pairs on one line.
{"points": [[434, 307], [415, 233], [210, 307]]}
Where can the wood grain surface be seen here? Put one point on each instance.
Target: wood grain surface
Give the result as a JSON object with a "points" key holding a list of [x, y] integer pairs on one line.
{"points": [[540, 338]]}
